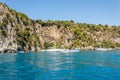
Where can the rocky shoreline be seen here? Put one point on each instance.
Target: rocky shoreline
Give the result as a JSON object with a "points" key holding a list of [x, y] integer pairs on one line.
{"points": [[19, 33], [19, 50]]}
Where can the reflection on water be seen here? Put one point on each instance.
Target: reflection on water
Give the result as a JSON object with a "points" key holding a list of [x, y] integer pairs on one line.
{"points": [[85, 65]]}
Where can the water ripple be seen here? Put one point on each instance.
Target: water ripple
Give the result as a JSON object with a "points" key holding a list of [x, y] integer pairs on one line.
{"points": [[86, 65]]}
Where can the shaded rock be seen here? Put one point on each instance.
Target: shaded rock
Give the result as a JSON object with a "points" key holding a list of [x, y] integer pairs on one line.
{"points": [[9, 51]]}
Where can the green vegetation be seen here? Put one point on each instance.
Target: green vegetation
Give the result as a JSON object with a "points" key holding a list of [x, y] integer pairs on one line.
{"points": [[4, 33], [48, 45], [27, 32], [24, 38]]}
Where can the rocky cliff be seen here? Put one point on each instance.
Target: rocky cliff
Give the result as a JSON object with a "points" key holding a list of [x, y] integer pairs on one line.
{"points": [[20, 33]]}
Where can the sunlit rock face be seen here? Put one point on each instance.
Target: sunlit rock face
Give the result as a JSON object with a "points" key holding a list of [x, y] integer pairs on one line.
{"points": [[18, 32]]}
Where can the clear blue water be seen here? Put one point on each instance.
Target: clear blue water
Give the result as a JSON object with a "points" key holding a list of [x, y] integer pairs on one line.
{"points": [[85, 65]]}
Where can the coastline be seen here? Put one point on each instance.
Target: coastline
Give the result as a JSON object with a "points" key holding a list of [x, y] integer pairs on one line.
{"points": [[12, 50], [19, 33]]}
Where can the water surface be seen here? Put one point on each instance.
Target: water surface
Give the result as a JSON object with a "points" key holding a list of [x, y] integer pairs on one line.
{"points": [[85, 65]]}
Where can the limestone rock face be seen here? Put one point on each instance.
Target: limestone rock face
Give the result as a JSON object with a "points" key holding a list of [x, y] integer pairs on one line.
{"points": [[20, 33]]}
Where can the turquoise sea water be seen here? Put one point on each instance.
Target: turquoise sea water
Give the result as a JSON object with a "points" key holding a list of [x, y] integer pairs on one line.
{"points": [[85, 65]]}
